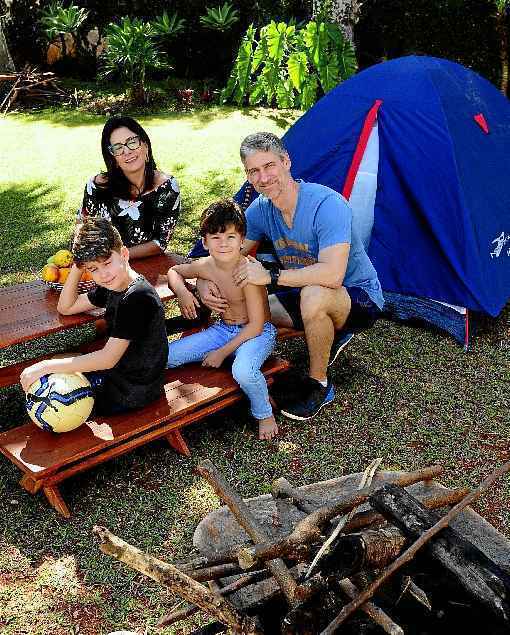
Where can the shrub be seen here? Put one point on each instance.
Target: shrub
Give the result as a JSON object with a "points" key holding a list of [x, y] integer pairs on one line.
{"points": [[220, 18], [130, 53], [289, 65]]}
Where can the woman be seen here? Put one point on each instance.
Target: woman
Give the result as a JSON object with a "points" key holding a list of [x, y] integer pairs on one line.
{"points": [[141, 202]]}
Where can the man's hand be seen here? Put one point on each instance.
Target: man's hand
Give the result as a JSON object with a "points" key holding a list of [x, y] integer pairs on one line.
{"points": [[214, 359], [211, 296], [31, 374], [251, 271], [188, 305]]}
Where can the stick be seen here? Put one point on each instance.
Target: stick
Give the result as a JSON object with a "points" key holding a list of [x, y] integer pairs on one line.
{"points": [[176, 581], [241, 582], [373, 611], [366, 481], [409, 553], [309, 529], [249, 523]]}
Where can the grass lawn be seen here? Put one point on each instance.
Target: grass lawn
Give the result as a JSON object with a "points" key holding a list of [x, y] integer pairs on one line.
{"points": [[409, 395]]}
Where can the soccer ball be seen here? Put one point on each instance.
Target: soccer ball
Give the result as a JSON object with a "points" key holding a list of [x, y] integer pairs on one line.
{"points": [[60, 402]]}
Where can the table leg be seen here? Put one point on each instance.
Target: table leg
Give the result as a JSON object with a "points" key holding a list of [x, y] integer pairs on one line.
{"points": [[56, 501], [178, 443]]}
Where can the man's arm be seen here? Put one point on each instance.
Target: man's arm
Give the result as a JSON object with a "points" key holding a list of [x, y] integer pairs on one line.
{"points": [[70, 301], [104, 359], [329, 271]]}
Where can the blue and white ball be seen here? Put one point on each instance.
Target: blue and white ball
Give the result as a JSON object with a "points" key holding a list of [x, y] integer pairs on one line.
{"points": [[60, 402]]}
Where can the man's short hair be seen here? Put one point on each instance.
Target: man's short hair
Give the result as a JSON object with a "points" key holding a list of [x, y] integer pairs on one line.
{"points": [[94, 240], [262, 142], [220, 215]]}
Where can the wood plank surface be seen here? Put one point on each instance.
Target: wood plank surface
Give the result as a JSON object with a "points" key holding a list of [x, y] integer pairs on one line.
{"points": [[41, 453], [29, 310]]}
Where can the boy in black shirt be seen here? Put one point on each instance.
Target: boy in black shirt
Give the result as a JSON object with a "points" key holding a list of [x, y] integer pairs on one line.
{"points": [[129, 371]]}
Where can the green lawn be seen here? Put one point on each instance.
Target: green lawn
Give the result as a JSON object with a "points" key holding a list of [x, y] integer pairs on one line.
{"points": [[406, 394]]}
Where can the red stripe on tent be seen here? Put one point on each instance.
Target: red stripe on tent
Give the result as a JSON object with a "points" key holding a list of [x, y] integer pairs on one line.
{"points": [[480, 120], [466, 332], [360, 149]]}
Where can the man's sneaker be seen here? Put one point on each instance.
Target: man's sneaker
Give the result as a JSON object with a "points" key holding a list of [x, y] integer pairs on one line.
{"points": [[340, 341], [317, 396]]}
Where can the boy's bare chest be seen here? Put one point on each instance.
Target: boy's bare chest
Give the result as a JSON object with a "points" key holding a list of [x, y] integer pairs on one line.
{"points": [[229, 290]]}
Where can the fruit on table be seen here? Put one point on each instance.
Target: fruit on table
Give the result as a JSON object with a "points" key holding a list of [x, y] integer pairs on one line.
{"points": [[86, 276], [63, 258], [50, 273], [50, 260], [63, 272]]}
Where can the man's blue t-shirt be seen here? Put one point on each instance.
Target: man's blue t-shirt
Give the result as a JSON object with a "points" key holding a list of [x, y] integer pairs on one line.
{"points": [[322, 218]]}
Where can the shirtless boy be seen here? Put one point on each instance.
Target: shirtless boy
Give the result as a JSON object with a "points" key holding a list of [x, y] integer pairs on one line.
{"points": [[244, 329]]}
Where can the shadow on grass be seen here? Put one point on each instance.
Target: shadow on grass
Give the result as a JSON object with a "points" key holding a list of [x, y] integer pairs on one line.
{"points": [[26, 225]]}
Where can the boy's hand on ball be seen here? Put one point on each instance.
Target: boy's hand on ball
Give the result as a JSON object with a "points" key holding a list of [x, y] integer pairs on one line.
{"points": [[214, 359], [31, 374]]}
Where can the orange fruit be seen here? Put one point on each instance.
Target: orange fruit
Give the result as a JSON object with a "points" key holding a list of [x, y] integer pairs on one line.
{"points": [[50, 273], [63, 272], [86, 276]]}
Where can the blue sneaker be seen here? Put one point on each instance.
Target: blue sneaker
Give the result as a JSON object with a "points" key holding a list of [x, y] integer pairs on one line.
{"points": [[317, 396], [340, 341]]}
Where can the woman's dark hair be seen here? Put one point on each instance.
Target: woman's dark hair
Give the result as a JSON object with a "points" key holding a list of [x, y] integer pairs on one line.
{"points": [[116, 182], [221, 214]]}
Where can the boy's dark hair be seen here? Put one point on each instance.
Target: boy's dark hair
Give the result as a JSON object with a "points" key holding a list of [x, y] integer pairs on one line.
{"points": [[218, 216], [95, 240]]}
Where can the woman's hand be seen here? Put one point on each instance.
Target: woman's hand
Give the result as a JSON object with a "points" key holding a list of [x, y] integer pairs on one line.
{"points": [[214, 359], [211, 296], [188, 304], [32, 374]]}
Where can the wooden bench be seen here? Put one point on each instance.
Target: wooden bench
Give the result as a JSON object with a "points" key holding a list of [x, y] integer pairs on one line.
{"points": [[191, 393]]}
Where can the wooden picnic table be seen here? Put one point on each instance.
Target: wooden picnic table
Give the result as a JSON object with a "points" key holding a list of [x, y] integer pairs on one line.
{"points": [[29, 310]]}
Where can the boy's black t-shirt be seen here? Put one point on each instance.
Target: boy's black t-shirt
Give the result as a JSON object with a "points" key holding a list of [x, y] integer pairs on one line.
{"points": [[135, 314]]}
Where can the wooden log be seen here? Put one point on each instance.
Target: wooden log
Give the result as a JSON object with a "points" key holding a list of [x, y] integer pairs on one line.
{"points": [[241, 582], [215, 573], [249, 523], [309, 530], [480, 577], [366, 481], [177, 581], [409, 554], [281, 488], [375, 613], [366, 550]]}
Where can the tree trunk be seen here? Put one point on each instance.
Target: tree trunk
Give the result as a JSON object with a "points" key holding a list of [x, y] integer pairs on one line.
{"points": [[6, 63], [345, 13], [503, 48]]}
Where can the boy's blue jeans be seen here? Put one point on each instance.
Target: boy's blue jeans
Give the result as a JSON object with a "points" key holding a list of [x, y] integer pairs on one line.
{"points": [[249, 357]]}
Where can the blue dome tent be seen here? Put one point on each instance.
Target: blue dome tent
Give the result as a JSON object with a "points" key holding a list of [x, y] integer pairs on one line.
{"points": [[421, 148]]}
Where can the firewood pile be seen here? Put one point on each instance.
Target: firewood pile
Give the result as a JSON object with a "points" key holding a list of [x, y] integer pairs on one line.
{"points": [[29, 87], [365, 553]]}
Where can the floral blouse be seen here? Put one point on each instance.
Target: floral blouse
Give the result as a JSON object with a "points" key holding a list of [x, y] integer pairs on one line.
{"points": [[152, 216]]}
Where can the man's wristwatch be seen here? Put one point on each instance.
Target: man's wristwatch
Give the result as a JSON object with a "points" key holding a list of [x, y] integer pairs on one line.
{"points": [[274, 271]]}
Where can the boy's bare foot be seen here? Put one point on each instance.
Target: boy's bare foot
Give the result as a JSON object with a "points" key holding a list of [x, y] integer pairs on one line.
{"points": [[268, 428]]}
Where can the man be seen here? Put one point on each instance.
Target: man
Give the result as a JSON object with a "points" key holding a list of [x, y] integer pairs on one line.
{"points": [[325, 281]]}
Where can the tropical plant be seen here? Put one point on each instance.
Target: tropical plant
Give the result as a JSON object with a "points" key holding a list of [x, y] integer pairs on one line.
{"points": [[289, 66], [220, 18], [57, 20], [168, 26], [131, 52]]}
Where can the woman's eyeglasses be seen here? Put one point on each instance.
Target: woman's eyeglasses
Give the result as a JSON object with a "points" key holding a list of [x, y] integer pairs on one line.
{"points": [[133, 143]]}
